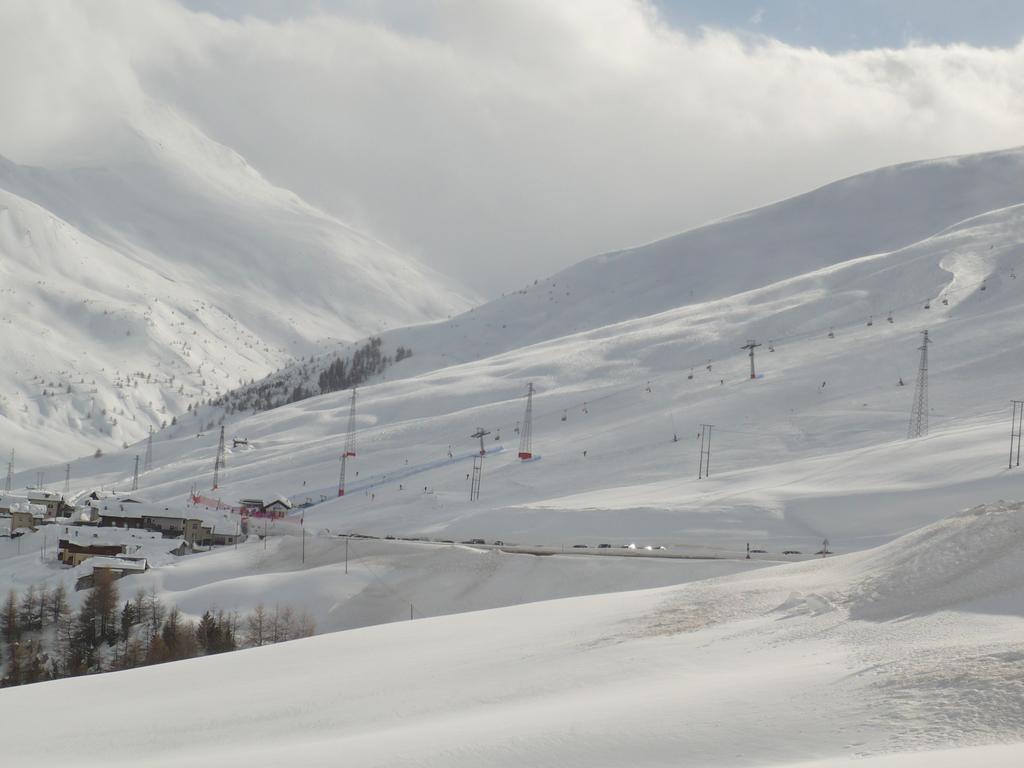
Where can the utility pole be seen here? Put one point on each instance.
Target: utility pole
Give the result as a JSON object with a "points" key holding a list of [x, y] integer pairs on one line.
{"points": [[303, 524], [346, 554], [148, 464], [67, 479], [218, 463], [704, 466], [919, 412], [135, 475], [10, 474], [40, 478], [349, 450], [526, 433], [751, 345], [1016, 427]]}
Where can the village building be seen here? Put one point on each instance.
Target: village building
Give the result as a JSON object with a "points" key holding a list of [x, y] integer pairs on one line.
{"points": [[279, 506], [51, 500], [115, 567], [20, 515], [76, 544]]}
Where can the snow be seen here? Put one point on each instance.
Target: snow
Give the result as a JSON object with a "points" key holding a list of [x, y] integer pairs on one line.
{"points": [[728, 671], [173, 258], [907, 643]]}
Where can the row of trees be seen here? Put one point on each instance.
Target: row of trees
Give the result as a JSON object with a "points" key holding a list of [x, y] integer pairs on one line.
{"points": [[43, 639]]}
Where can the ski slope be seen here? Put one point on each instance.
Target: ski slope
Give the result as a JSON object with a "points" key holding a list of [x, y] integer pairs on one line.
{"points": [[793, 462], [875, 658]]}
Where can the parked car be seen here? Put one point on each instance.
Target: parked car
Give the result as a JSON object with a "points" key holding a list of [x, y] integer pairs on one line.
{"points": [[499, 543], [791, 552], [759, 551], [579, 546], [604, 546], [660, 546]]}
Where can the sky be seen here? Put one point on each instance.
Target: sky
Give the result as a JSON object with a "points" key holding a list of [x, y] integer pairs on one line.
{"points": [[500, 141]]}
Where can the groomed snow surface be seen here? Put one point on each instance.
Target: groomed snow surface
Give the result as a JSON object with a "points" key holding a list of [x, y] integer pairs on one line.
{"points": [[909, 647], [905, 644]]}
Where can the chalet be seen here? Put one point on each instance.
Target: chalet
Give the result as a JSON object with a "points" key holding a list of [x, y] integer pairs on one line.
{"points": [[53, 501], [277, 507], [115, 567], [74, 553], [118, 515], [20, 514], [76, 544]]}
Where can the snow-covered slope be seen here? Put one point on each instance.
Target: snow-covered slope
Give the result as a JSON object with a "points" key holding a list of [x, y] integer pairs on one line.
{"points": [[814, 449], [779, 667], [171, 257], [872, 213]]}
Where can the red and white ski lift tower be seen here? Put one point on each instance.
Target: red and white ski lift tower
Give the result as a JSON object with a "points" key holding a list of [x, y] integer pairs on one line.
{"points": [[526, 433], [349, 450], [481, 433], [751, 345]]}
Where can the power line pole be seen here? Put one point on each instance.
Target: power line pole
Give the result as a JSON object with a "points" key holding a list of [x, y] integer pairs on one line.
{"points": [[526, 433], [218, 463], [1016, 427], [349, 450], [8, 483], [135, 476], [751, 345], [704, 466], [148, 464], [919, 412], [67, 479], [478, 464]]}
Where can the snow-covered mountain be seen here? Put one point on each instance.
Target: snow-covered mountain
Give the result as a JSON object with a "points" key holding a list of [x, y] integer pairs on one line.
{"points": [[871, 213], [166, 272]]}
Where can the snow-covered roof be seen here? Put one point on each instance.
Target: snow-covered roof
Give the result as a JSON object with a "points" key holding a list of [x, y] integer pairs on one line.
{"points": [[38, 495], [136, 564]]}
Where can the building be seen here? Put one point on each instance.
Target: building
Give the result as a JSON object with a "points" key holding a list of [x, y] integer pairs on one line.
{"points": [[20, 514], [51, 500], [76, 544], [116, 567], [276, 507]]}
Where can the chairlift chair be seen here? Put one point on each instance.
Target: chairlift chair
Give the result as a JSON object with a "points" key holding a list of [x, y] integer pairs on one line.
{"points": [[565, 415], [691, 374], [928, 304], [831, 333], [871, 321], [890, 317], [945, 301]]}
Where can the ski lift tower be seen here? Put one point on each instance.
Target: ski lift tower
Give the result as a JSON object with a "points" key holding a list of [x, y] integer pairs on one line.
{"points": [[751, 345], [349, 451], [526, 434], [478, 464], [218, 463]]}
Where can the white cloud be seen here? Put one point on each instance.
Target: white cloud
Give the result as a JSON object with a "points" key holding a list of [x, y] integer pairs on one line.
{"points": [[500, 141]]}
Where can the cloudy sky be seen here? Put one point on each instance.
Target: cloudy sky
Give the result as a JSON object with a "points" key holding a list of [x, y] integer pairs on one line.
{"points": [[500, 140]]}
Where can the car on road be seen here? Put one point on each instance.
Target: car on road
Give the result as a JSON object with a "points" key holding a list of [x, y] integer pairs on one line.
{"points": [[604, 546], [629, 546], [759, 551], [579, 546], [791, 552], [499, 543], [661, 546], [649, 548]]}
